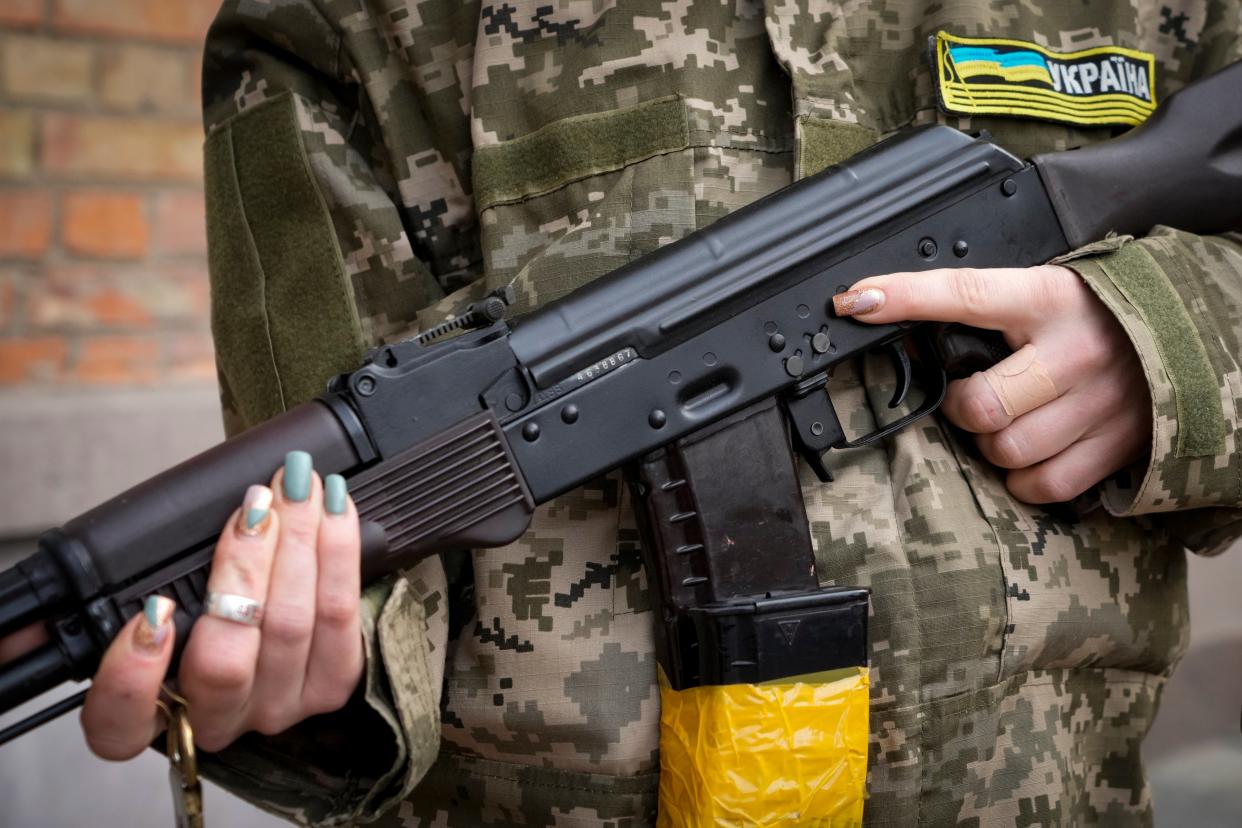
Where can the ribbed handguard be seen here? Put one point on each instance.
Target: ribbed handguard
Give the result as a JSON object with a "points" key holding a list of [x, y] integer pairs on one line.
{"points": [[457, 490]]}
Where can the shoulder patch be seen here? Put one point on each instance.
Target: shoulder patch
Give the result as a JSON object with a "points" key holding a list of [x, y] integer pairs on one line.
{"points": [[1102, 86]]}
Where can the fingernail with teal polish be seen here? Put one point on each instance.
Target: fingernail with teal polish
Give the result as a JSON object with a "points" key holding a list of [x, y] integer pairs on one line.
{"points": [[297, 482], [256, 511], [157, 612], [334, 494]]}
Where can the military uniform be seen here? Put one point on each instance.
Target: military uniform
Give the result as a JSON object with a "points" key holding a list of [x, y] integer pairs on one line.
{"points": [[373, 167]]}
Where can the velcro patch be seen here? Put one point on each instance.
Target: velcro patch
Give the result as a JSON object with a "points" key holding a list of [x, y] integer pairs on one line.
{"points": [[1102, 86]]}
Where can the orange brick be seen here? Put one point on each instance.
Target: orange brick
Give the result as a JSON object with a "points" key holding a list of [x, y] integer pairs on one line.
{"points": [[21, 12], [191, 357], [149, 79], [179, 20], [115, 308], [180, 223], [17, 134], [112, 225], [36, 359], [55, 306], [25, 223], [85, 297], [117, 360], [9, 281], [135, 148], [41, 68]]}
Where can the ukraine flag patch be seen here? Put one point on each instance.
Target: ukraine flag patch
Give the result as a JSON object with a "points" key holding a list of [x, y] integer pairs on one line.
{"points": [[1102, 86]]}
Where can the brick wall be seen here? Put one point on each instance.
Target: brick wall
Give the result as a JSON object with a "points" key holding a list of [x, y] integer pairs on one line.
{"points": [[102, 250]]}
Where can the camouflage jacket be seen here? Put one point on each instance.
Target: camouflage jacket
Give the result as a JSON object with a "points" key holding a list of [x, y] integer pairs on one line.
{"points": [[372, 165]]}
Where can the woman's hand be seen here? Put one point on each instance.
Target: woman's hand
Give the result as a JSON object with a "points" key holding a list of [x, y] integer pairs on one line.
{"points": [[294, 548], [1067, 409]]}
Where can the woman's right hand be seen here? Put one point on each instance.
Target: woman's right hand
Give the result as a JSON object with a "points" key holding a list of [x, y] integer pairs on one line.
{"points": [[295, 549]]}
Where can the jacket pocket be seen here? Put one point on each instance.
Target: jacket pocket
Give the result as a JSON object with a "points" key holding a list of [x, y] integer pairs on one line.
{"points": [[583, 196], [1082, 588]]}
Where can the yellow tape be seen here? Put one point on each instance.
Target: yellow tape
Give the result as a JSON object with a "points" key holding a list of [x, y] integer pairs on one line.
{"points": [[779, 754], [1101, 86]]}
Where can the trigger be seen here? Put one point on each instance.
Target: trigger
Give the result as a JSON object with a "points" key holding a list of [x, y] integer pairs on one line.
{"points": [[901, 367]]}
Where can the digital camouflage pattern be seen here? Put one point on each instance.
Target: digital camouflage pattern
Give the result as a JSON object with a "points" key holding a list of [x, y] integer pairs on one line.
{"points": [[1017, 652]]}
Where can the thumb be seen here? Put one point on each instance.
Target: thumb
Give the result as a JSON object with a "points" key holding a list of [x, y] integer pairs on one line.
{"points": [[120, 716]]}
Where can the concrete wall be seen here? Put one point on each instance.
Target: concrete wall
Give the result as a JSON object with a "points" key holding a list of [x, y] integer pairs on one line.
{"points": [[63, 451]]}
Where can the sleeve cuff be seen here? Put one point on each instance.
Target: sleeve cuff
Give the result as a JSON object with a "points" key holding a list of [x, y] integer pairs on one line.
{"points": [[355, 764], [1149, 286], [412, 635]]}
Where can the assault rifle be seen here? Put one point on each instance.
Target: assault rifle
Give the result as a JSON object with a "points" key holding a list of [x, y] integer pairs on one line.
{"points": [[451, 439]]}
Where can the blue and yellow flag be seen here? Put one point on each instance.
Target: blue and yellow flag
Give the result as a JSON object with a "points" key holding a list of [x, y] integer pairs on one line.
{"points": [[1102, 86]]}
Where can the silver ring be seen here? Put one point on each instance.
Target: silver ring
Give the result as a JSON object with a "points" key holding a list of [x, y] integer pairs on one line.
{"points": [[232, 607]]}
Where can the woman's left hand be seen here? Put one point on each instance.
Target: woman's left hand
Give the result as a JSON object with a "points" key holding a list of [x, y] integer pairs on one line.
{"points": [[1068, 408]]}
